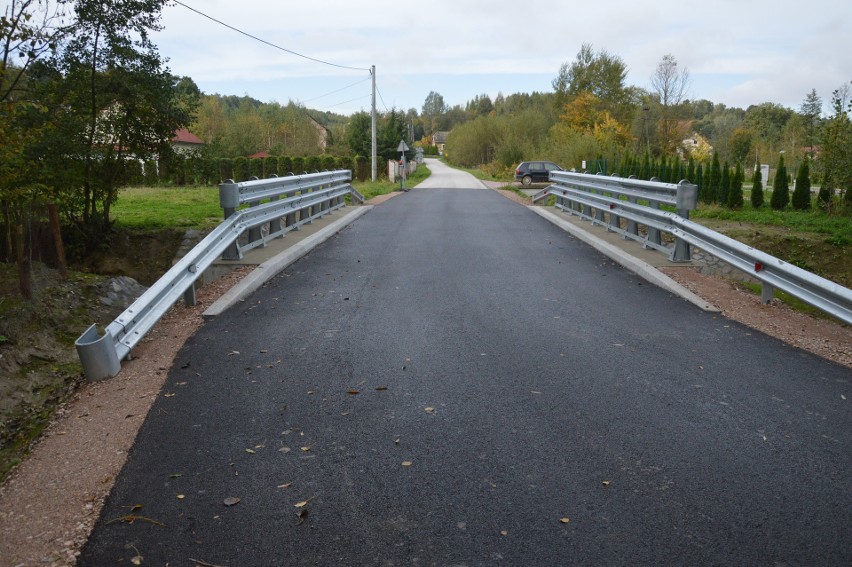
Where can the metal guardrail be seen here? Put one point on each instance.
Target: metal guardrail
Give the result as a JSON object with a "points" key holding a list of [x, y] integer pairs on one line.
{"points": [[307, 197], [597, 198], [608, 200]]}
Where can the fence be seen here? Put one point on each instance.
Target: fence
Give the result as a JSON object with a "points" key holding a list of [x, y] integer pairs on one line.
{"points": [[305, 198], [617, 204]]}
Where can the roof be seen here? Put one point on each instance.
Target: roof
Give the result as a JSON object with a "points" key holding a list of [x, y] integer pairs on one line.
{"points": [[440, 137], [259, 155], [184, 136]]}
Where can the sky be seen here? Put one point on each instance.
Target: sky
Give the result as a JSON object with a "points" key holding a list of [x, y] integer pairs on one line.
{"points": [[737, 53]]}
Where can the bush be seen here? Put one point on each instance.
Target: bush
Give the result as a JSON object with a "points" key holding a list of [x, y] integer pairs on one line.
{"points": [[241, 169], [285, 165], [270, 166], [298, 165], [328, 163], [226, 169], [313, 163]]}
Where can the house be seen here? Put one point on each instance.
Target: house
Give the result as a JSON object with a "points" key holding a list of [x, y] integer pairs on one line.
{"points": [[185, 142], [259, 155], [439, 139]]}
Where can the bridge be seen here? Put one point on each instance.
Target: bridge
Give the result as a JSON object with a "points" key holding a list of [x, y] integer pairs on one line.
{"points": [[453, 380]]}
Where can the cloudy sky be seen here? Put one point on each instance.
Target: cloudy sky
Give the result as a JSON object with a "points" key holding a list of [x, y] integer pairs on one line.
{"points": [[737, 52]]}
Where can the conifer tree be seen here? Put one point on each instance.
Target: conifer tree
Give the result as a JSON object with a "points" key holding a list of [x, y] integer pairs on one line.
{"points": [[735, 196], [780, 188], [715, 172], [757, 189], [802, 192], [725, 185], [690, 172]]}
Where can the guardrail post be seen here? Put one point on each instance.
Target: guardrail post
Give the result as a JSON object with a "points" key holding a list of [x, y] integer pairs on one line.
{"points": [[767, 293], [687, 200], [255, 233], [275, 224], [229, 200], [653, 233]]}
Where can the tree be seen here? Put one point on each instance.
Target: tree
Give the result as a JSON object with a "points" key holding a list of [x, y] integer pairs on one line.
{"points": [[711, 191], [670, 86], [802, 192], [433, 108], [756, 189], [836, 153], [811, 110], [29, 32], [739, 144], [735, 195], [724, 184], [780, 188], [358, 134], [114, 102], [600, 74]]}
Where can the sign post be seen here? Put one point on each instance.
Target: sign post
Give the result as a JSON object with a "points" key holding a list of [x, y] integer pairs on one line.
{"points": [[402, 149]]}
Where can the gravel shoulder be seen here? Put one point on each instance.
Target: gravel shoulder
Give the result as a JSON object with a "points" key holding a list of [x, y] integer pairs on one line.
{"points": [[49, 504]]}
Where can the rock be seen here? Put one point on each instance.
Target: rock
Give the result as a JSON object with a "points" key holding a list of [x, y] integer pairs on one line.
{"points": [[121, 291]]}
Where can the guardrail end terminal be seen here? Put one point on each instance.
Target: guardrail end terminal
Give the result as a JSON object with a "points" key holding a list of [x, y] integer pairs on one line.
{"points": [[97, 354]]}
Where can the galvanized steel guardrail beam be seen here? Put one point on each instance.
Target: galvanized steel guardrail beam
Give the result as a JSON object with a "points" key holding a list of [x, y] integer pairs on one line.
{"points": [[101, 355], [592, 196]]}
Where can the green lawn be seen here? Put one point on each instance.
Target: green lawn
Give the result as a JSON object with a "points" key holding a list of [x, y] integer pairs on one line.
{"points": [[198, 207]]}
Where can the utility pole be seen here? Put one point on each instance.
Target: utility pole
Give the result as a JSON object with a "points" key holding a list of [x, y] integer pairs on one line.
{"points": [[373, 129]]}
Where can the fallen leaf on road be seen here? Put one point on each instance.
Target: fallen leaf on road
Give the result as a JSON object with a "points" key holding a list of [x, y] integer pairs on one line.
{"points": [[353, 392], [137, 560], [285, 485], [233, 353], [504, 532], [381, 388], [180, 496], [564, 520], [305, 449], [605, 483], [302, 515], [406, 463], [251, 451], [230, 501], [429, 410]]}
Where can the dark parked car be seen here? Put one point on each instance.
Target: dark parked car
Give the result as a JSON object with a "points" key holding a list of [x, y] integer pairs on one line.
{"points": [[535, 171]]}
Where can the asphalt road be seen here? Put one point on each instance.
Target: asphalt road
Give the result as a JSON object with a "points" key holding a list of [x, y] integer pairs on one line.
{"points": [[454, 381]]}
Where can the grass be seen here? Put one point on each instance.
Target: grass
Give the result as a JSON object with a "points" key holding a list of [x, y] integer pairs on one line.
{"points": [[382, 187], [168, 207], [197, 207], [839, 228]]}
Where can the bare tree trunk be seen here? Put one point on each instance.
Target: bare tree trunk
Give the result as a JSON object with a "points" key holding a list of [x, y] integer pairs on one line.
{"points": [[55, 228], [8, 243], [22, 249]]}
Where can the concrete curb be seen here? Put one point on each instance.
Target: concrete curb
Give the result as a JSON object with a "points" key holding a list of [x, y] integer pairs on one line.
{"points": [[635, 265], [267, 270]]}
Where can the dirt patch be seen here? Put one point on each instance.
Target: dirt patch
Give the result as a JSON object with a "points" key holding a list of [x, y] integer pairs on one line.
{"points": [[821, 254], [143, 255]]}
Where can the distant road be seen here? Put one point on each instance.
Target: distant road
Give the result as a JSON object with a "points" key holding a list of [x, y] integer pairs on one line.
{"points": [[454, 381]]}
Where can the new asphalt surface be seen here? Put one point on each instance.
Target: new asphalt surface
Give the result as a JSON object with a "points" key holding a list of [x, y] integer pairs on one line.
{"points": [[453, 380]]}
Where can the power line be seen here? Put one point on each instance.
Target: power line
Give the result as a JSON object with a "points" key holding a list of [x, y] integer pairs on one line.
{"points": [[267, 42], [346, 101], [337, 91]]}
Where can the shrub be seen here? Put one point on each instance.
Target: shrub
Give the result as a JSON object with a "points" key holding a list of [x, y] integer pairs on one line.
{"points": [[802, 192], [780, 188], [757, 189]]}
